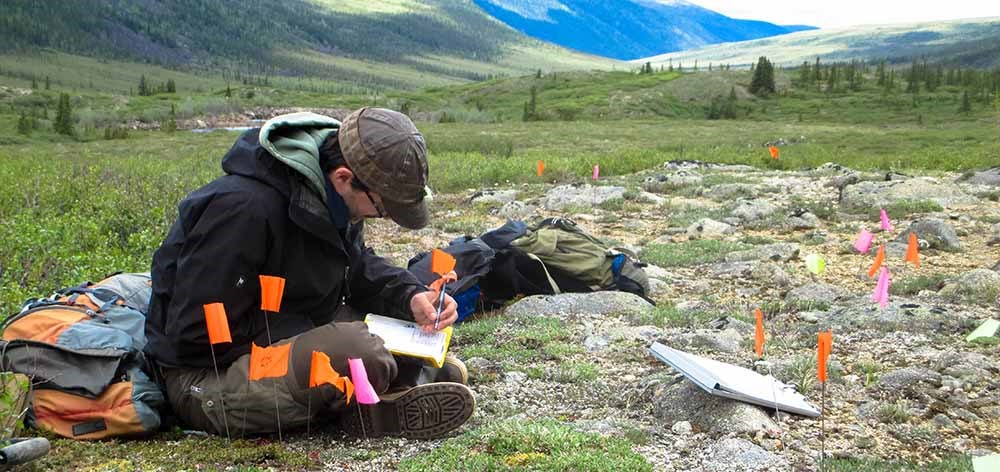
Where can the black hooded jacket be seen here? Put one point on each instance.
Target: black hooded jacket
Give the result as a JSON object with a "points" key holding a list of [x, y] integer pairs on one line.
{"points": [[260, 219]]}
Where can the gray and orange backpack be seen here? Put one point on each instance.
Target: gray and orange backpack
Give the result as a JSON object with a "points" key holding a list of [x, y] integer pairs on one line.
{"points": [[82, 350]]}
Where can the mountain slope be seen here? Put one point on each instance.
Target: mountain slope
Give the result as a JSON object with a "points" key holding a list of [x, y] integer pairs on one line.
{"points": [[972, 42], [627, 29], [287, 37]]}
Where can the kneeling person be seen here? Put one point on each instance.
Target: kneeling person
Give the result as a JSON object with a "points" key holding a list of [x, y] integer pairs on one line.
{"points": [[292, 204]]}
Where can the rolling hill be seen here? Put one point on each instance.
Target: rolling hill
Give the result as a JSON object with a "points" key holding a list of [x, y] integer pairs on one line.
{"points": [[627, 29], [970, 43], [421, 43]]}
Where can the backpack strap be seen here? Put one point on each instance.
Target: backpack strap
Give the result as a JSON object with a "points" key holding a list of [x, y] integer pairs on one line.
{"points": [[552, 282]]}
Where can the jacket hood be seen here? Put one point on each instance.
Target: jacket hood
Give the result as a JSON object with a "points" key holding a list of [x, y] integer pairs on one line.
{"points": [[295, 139]]}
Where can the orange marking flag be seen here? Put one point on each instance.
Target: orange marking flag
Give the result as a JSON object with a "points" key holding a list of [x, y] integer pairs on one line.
{"points": [[272, 288], [879, 259], [774, 152], [758, 341], [912, 251], [825, 344], [540, 168], [217, 323], [441, 262], [322, 372], [271, 361]]}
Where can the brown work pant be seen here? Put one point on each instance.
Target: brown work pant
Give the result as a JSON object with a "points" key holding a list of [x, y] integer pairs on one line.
{"points": [[197, 397]]}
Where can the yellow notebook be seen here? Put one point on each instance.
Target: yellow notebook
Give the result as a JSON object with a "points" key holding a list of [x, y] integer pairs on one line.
{"points": [[405, 338]]}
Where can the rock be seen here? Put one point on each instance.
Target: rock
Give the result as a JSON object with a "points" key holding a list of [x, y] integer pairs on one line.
{"points": [[728, 322], [967, 367], [816, 293], [938, 234], [896, 250], [771, 274], [732, 270], [805, 220], [984, 177], [840, 181], [753, 210], [866, 196], [974, 285], [493, 196], [515, 377], [596, 342], [585, 196], [942, 421], [710, 340], [664, 183], [682, 428], [769, 252], [658, 287], [907, 382], [724, 192], [685, 401], [595, 303], [859, 313], [740, 455], [651, 198], [515, 210], [658, 272], [994, 235], [709, 228]]}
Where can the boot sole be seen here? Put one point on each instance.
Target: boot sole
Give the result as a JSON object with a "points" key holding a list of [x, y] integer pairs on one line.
{"points": [[423, 412]]}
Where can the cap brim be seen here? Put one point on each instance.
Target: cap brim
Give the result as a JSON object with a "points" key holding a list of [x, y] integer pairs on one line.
{"points": [[408, 215]]}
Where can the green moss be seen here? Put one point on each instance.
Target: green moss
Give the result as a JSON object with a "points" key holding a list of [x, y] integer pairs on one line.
{"points": [[539, 445]]}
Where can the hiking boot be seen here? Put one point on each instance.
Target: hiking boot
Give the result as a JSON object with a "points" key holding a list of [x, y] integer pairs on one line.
{"points": [[453, 370], [423, 412]]}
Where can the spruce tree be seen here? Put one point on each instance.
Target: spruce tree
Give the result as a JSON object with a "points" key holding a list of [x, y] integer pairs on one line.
{"points": [[762, 83], [966, 106], [23, 125], [143, 86], [48, 84], [34, 84], [171, 125], [171, 86], [64, 116]]}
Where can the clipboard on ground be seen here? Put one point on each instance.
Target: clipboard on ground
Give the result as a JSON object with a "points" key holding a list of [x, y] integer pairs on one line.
{"points": [[734, 382]]}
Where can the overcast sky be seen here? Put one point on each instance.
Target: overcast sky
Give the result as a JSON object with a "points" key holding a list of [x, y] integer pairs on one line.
{"points": [[832, 14]]}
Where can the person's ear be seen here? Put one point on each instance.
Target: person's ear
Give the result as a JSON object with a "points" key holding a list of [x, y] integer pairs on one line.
{"points": [[342, 175]]}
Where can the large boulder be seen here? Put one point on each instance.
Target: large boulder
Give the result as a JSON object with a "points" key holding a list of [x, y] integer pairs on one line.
{"points": [[975, 285], [595, 303], [565, 196], [989, 177], [685, 401], [938, 234], [866, 196]]}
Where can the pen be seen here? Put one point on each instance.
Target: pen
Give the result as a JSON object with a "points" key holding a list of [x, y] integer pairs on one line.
{"points": [[440, 304]]}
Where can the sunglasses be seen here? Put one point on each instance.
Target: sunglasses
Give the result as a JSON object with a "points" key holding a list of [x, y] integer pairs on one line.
{"points": [[376, 206]]}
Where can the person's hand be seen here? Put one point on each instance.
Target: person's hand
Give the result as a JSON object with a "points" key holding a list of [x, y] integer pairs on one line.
{"points": [[424, 308]]}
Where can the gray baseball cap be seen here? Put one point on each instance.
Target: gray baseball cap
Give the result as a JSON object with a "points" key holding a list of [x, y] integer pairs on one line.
{"points": [[386, 152]]}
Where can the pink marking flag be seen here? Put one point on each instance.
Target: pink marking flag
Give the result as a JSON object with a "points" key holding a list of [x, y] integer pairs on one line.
{"points": [[886, 224], [864, 241], [363, 390], [881, 293], [597, 172]]}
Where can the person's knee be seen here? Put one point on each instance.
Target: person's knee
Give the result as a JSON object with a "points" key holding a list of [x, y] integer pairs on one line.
{"points": [[342, 341]]}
